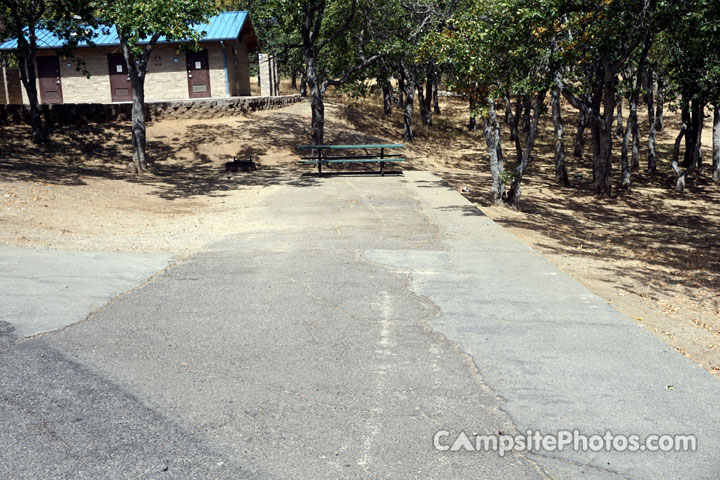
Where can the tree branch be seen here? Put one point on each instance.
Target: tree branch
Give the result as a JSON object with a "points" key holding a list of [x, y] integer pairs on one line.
{"points": [[149, 47], [578, 103], [342, 29], [346, 76], [320, 13]]}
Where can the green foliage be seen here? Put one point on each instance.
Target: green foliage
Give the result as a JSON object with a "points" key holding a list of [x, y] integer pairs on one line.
{"points": [[689, 50], [138, 21], [491, 47], [507, 176], [66, 19]]}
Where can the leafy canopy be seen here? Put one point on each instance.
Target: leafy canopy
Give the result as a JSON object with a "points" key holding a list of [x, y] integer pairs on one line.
{"points": [[139, 21]]}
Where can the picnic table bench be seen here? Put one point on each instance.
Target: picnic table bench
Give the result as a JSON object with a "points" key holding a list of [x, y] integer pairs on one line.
{"points": [[322, 157]]}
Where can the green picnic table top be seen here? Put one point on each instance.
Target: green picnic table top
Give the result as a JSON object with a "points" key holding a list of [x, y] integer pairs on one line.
{"points": [[341, 147]]}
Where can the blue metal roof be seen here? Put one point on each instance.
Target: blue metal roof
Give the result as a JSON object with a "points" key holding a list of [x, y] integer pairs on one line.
{"points": [[224, 26]]}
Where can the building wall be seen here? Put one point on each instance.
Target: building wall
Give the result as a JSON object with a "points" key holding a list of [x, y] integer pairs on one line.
{"points": [[14, 86], [4, 97], [243, 69], [238, 69], [231, 49], [166, 79], [217, 70], [76, 88]]}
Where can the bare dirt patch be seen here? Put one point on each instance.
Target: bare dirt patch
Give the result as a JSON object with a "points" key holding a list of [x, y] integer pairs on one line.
{"points": [[76, 194]]}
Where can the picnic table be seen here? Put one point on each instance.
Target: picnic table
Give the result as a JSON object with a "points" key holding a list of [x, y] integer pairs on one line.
{"points": [[321, 156]]}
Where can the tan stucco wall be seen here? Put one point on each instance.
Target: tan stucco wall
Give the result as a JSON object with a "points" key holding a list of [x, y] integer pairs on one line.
{"points": [[166, 81]]}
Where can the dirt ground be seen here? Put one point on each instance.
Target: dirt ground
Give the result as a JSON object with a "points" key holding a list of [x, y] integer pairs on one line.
{"points": [[651, 253]]}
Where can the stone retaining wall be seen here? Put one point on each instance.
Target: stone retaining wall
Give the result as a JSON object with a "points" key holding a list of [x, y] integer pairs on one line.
{"points": [[80, 113]]}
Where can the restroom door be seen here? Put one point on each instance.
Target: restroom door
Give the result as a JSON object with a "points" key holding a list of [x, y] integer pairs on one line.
{"points": [[198, 69], [49, 79], [120, 86]]}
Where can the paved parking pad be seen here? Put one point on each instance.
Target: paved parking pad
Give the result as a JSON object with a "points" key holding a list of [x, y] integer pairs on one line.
{"points": [[44, 290], [357, 319]]}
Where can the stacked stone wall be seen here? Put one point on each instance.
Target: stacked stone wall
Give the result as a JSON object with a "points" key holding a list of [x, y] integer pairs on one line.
{"points": [[80, 113]]}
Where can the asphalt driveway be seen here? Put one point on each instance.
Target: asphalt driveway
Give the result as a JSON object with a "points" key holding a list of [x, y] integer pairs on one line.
{"points": [[361, 323]]}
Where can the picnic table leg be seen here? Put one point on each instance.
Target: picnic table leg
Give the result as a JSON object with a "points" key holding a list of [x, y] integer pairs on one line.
{"points": [[382, 164], [319, 161]]}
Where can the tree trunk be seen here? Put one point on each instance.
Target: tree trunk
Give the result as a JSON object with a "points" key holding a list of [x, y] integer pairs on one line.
{"points": [[693, 135], [635, 158], [28, 76], [519, 105], [401, 90], [698, 147], [561, 175], [387, 91], [659, 126], [317, 107], [472, 125], [579, 149], [409, 81], [583, 120], [275, 77], [303, 84], [293, 78], [138, 125], [137, 67], [620, 129], [512, 122], [422, 104], [513, 195], [635, 99], [428, 120], [602, 132], [602, 164], [716, 142], [685, 117], [694, 127], [436, 97], [632, 121], [624, 154], [652, 156], [527, 107], [492, 140], [676, 147]]}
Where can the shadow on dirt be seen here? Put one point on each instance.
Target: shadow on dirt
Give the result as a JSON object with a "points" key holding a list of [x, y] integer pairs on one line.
{"points": [[182, 164]]}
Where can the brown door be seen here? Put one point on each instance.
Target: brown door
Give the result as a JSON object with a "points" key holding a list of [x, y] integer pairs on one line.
{"points": [[49, 79], [120, 86], [198, 69]]}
